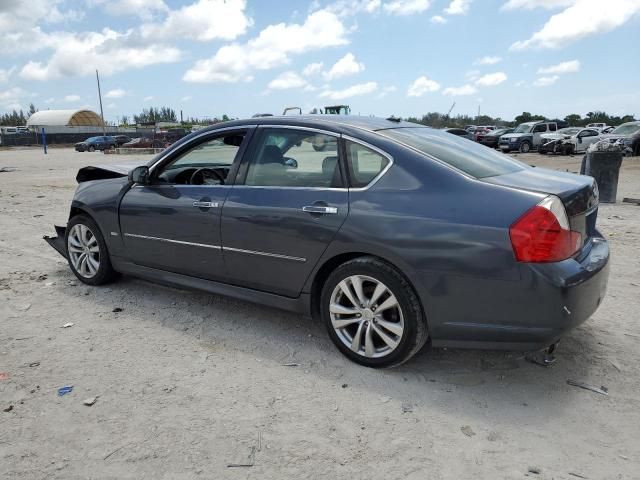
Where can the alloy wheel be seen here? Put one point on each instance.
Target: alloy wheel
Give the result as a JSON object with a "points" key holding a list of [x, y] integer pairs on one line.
{"points": [[366, 316], [84, 251]]}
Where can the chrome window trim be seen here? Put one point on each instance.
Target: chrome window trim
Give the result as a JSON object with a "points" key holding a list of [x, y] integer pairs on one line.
{"points": [[279, 187], [217, 247], [167, 240], [203, 134], [375, 149], [306, 129]]}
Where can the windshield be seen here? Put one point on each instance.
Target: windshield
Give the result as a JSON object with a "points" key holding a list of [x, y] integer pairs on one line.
{"points": [[470, 157], [523, 128], [627, 129], [569, 131]]}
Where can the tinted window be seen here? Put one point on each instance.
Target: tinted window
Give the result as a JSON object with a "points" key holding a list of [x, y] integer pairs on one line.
{"points": [[470, 157], [294, 158], [553, 127], [539, 128], [364, 164]]}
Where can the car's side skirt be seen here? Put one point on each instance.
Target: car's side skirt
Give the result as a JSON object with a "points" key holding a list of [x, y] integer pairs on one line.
{"points": [[299, 305]]}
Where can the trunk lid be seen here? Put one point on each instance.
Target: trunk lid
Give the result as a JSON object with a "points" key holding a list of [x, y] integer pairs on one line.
{"points": [[579, 193]]}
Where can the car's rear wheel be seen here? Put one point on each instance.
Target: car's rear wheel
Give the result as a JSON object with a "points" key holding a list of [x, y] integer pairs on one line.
{"points": [[372, 313], [525, 147], [91, 148], [87, 252]]}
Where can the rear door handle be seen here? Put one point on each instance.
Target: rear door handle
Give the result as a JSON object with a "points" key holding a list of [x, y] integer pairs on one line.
{"points": [[320, 209], [205, 204]]}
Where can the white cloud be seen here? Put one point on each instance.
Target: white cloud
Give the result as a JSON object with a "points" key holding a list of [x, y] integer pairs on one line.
{"points": [[406, 7], [546, 81], [203, 20], [287, 80], [10, 99], [116, 93], [186, 98], [438, 19], [459, 91], [488, 60], [581, 19], [5, 74], [352, 91], [144, 9], [350, 7], [71, 98], [386, 91], [571, 66], [491, 79], [83, 53], [422, 85], [458, 7], [531, 4], [270, 49], [312, 69], [472, 75], [344, 67], [147, 98]]}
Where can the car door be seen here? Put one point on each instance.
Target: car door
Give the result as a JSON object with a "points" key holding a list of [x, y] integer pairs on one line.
{"points": [[173, 223], [538, 130], [588, 137], [285, 208]]}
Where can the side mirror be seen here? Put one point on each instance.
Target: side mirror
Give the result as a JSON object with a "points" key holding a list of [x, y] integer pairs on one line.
{"points": [[139, 175], [291, 163]]}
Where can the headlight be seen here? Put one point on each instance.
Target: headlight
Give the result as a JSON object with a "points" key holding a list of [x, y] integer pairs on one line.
{"points": [[513, 139]]}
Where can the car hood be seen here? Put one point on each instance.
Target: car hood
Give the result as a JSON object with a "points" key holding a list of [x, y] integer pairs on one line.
{"points": [[611, 136], [513, 135], [554, 136], [103, 172], [577, 192]]}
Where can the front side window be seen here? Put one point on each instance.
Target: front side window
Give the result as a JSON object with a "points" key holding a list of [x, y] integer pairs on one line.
{"points": [[540, 128], [206, 163], [294, 158], [365, 164]]}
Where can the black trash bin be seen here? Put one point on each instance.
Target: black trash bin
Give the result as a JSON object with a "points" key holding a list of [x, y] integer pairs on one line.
{"points": [[604, 167]]}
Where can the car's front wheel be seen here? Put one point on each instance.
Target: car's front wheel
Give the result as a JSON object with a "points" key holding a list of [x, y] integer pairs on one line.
{"points": [[372, 313], [525, 147], [87, 252], [91, 148]]}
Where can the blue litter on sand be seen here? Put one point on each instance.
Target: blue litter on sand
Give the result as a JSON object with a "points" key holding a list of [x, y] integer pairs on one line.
{"points": [[64, 390]]}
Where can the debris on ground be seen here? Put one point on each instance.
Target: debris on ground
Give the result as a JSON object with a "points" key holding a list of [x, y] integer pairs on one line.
{"points": [[290, 364], [573, 474], [540, 358], [24, 308], [64, 390], [7, 169], [345, 385], [467, 430], [117, 310], [635, 201], [407, 408], [89, 401], [250, 460], [385, 399], [535, 470], [68, 325], [4, 376], [601, 390], [8, 409], [34, 364]]}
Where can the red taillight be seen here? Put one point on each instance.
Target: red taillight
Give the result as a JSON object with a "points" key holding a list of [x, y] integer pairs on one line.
{"points": [[543, 235]]}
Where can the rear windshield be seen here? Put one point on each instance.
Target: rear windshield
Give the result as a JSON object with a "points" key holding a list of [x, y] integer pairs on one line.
{"points": [[470, 157]]}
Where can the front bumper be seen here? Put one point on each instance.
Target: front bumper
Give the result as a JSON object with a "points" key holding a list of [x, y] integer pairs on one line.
{"points": [[528, 314], [508, 146], [57, 243]]}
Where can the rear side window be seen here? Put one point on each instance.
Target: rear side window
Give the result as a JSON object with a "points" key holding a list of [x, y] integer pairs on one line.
{"points": [[365, 164], [470, 157]]}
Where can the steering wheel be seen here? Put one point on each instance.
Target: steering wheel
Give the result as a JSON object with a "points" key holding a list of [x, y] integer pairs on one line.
{"points": [[206, 176]]}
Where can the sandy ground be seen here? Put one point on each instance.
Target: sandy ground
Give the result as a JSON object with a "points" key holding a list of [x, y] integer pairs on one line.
{"points": [[189, 383]]}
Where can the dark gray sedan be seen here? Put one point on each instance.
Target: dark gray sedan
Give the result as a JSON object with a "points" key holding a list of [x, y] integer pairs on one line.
{"points": [[393, 235]]}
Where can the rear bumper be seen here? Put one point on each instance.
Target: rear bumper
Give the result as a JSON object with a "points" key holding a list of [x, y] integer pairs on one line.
{"points": [[529, 314], [57, 242]]}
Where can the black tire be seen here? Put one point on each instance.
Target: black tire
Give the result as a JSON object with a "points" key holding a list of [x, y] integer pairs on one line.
{"points": [[415, 330], [525, 147], [105, 272], [636, 149], [91, 148]]}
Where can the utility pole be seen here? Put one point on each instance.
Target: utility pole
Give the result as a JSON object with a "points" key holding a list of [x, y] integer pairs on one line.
{"points": [[104, 131], [478, 118]]}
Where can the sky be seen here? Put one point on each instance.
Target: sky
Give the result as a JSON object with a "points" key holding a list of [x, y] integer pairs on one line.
{"points": [[381, 57]]}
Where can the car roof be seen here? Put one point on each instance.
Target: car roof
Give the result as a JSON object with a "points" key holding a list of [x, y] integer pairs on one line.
{"points": [[329, 122]]}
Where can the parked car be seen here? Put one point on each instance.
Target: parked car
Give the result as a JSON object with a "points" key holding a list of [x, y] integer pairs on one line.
{"points": [[481, 131], [526, 136], [144, 142], [597, 125], [460, 132], [629, 133], [96, 143], [491, 138], [121, 139], [568, 140], [383, 238]]}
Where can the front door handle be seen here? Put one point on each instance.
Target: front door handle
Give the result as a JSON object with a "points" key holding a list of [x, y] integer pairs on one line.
{"points": [[205, 204], [320, 209]]}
